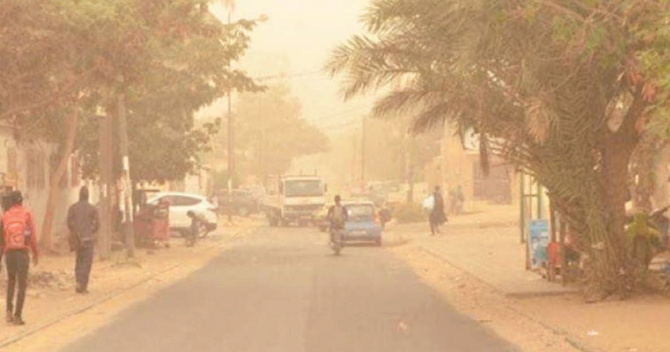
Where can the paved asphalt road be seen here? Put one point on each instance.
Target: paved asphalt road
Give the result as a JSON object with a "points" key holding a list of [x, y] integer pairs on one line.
{"points": [[283, 290]]}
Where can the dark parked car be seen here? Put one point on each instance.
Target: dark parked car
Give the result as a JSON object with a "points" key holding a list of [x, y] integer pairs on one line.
{"points": [[241, 202]]}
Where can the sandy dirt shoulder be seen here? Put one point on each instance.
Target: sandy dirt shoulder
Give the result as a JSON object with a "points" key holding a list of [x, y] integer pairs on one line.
{"points": [[561, 322]]}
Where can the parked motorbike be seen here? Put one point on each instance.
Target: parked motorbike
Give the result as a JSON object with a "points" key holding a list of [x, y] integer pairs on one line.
{"points": [[648, 235], [661, 222]]}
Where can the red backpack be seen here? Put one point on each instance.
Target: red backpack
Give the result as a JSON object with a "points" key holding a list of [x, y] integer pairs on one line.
{"points": [[15, 226]]}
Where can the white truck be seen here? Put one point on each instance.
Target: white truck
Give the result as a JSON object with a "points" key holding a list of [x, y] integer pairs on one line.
{"points": [[294, 199]]}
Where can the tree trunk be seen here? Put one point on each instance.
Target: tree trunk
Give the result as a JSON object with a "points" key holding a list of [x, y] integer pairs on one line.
{"points": [[54, 185], [610, 263]]}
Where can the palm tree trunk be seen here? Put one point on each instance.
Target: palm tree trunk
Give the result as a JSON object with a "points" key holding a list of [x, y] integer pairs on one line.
{"points": [[611, 268]]}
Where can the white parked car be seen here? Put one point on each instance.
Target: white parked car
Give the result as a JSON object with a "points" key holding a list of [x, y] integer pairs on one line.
{"points": [[181, 203]]}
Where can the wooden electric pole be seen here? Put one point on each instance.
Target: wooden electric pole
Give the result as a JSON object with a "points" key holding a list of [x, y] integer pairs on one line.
{"points": [[231, 140]]}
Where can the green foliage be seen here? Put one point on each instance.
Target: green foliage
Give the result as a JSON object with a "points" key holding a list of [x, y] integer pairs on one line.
{"points": [[168, 57], [270, 133]]}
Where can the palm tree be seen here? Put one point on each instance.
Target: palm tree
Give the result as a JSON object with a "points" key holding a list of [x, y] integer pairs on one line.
{"points": [[552, 85]]}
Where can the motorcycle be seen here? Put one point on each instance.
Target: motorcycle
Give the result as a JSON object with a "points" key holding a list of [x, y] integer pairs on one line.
{"points": [[660, 221], [202, 229]]}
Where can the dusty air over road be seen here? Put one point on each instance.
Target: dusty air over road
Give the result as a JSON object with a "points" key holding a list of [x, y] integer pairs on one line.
{"points": [[354, 175]]}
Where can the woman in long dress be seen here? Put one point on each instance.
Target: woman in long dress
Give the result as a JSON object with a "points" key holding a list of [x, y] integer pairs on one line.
{"points": [[437, 216]]}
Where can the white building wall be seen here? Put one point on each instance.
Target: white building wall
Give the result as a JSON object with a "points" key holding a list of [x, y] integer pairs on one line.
{"points": [[35, 197]]}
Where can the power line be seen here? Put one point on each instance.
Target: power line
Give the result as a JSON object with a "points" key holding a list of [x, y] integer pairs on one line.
{"points": [[289, 75], [344, 112]]}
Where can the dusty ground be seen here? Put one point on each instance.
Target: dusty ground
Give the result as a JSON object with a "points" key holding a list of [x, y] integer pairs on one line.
{"points": [[546, 323], [640, 324], [555, 323], [55, 315]]}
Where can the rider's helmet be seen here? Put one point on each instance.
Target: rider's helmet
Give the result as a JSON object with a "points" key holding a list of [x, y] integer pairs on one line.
{"points": [[190, 214]]}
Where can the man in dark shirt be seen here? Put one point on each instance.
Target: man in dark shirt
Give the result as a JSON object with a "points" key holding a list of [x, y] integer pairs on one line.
{"points": [[83, 221]]}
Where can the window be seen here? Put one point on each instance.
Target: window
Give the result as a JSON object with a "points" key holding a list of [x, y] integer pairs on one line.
{"points": [[182, 201], [363, 211], [303, 188]]}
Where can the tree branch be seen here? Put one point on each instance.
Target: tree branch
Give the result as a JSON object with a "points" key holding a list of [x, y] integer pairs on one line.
{"points": [[59, 95]]}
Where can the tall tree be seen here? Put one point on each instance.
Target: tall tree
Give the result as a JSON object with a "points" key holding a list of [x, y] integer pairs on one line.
{"points": [[169, 57], [272, 133], [563, 88]]}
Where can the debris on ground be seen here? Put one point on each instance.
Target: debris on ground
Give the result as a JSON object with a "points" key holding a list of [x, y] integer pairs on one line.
{"points": [[60, 279]]}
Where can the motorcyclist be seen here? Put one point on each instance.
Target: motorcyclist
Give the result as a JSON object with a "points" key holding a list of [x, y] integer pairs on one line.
{"points": [[337, 216]]}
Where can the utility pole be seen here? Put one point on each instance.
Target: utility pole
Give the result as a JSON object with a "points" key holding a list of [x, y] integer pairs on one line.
{"points": [[410, 167], [363, 154], [231, 137], [353, 161], [127, 184], [261, 148], [106, 179]]}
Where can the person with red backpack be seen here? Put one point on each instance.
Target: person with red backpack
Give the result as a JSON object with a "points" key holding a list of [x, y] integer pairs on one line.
{"points": [[18, 236]]}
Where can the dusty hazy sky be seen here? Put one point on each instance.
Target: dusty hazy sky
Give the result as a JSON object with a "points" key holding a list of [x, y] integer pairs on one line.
{"points": [[297, 40]]}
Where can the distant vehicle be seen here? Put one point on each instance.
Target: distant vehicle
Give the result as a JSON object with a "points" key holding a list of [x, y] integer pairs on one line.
{"points": [[241, 202], [391, 192], [362, 223], [258, 192], [294, 199], [180, 204]]}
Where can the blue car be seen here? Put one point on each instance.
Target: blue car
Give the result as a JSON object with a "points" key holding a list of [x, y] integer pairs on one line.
{"points": [[362, 223]]}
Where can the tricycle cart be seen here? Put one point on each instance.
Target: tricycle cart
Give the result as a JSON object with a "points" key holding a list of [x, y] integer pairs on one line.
{"points": [[151, 223]]}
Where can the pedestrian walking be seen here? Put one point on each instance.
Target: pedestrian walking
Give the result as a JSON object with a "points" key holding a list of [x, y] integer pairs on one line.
{"points": [[83, 221], [437, 216], [457, 198], [18, 237]]}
